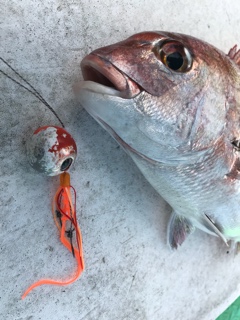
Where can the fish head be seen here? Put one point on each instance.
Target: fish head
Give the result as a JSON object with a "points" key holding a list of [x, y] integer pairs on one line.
{"points": [[161, 95]]}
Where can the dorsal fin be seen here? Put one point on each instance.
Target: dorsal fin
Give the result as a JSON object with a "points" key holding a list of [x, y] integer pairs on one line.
{"points": [[234, 54]]}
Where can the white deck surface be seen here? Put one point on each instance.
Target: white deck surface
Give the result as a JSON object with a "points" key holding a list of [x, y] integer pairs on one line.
{"points": [[130, 272]]}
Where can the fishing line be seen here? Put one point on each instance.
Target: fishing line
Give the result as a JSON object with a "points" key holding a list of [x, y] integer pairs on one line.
{"points": [[58, 152], [33, 91]]}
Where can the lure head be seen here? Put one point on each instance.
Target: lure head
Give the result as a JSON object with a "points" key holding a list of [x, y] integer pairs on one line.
{"points": [[51, 150]]}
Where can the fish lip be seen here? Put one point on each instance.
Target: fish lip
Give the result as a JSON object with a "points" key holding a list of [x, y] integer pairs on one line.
{"points": [[99, 70]]}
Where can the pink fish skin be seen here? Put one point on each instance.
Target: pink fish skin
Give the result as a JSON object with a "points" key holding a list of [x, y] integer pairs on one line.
{"points": [[173, 103]]}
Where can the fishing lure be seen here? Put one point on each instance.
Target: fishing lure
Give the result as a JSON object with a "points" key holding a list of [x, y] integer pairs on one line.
{"points": [[51, 150]]}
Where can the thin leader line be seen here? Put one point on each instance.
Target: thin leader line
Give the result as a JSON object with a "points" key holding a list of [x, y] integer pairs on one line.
{"points": [[33, 91]]}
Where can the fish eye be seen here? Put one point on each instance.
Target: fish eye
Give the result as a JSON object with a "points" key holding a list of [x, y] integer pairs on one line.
{"points": [[175, 56]]}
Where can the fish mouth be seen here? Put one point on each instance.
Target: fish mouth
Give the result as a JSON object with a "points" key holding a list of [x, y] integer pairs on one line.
{"points": [[102, 76]]}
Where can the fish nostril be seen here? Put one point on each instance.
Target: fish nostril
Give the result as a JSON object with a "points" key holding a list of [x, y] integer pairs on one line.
{"points": [[236, 144]]}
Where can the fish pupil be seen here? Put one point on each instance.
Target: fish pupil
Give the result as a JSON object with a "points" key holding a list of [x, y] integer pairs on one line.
{"points": [[174, 60]]}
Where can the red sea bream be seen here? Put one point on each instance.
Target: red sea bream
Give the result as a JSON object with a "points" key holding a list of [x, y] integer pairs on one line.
{"points": [[173, 103]]}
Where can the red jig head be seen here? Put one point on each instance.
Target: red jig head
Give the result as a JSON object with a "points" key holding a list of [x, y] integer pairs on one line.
{"points": [[51, 150]]}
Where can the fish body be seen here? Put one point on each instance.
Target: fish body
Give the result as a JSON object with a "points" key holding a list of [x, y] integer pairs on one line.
{"points": [[173, 103]]}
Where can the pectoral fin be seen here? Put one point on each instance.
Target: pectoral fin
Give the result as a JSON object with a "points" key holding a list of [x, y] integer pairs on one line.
{"points": [[179, 228]]}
